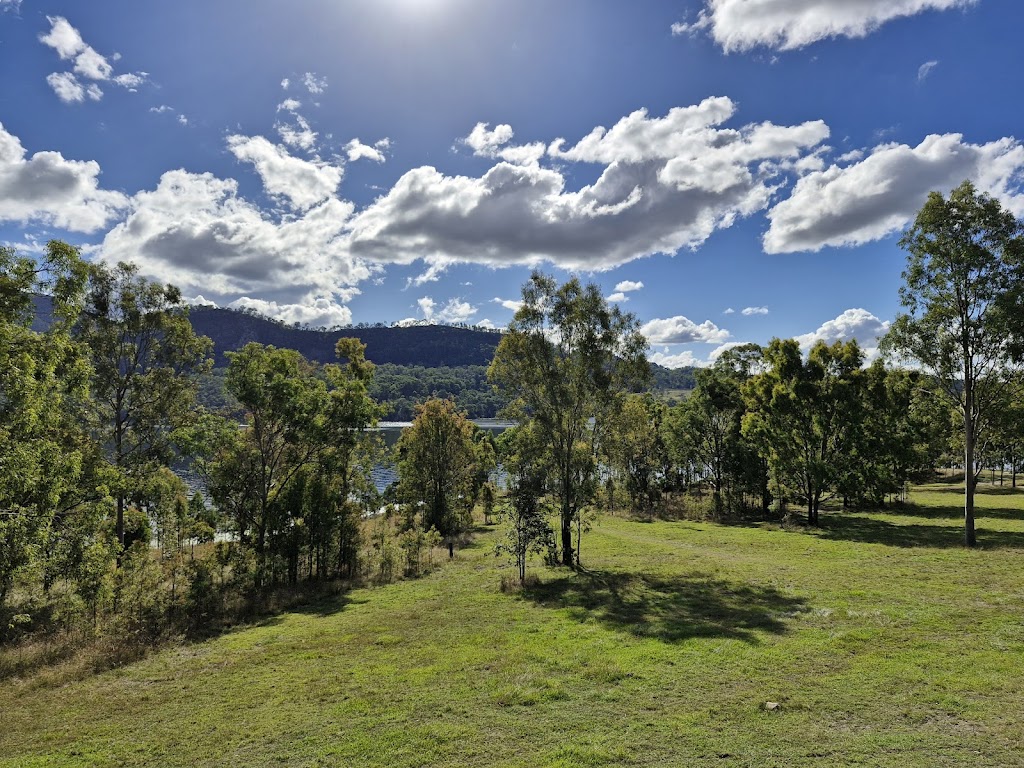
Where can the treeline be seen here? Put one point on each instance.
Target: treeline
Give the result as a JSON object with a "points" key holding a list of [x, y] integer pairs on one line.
{"points": [[99, 537]]}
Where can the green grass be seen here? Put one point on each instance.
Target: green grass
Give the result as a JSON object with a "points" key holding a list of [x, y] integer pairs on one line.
{"points": [[884, 642]]}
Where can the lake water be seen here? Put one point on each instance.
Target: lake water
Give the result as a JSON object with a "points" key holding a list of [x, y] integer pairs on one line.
{"points": [[383, 475]]}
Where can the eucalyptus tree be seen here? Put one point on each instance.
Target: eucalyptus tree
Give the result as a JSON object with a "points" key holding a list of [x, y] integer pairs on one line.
{"points": [[146, 364], [522, 452], [963, 292], [564, 363], [255, 465], [437, 465], [634, 447], [42, 376], [803, 414]]}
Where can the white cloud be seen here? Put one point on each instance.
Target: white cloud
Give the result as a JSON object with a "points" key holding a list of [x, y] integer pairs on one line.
{"points": [[729, 311], [682, 330], [68, 43], [925, 69], [618, 297], [856, 324], [10, 5], [668, 183], [356, 150], [739, 25], [131, 80], [485, 323], [321, 312], [436, 267], [182, 120], [512, 305], [495, 144], [194, 230], [627, 286], [297, 134], [70, 90], [455, 311], [717, 352], [685, 359], [87, 63], [314, 84], [748, 311], [48, 189], [200, 301], [485, 142], [286, 83], [866, 201], [290, 105], [161, 109], [303, 182]]}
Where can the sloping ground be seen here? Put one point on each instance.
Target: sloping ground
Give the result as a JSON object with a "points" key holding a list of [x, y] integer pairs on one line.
{"points": [[882, 640]]}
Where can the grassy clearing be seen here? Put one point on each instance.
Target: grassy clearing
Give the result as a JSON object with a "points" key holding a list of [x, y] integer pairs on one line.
{"points": [[884, 642]]}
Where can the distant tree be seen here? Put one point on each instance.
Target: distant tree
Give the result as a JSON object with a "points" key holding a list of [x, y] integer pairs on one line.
{"points": [[565, 361], [963, 292], [634, 448], [146, 362], [254, 466], [803, 415], [437, 465]]}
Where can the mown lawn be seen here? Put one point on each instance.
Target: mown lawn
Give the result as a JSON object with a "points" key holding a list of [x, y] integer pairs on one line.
{"points": [[884, 642]]}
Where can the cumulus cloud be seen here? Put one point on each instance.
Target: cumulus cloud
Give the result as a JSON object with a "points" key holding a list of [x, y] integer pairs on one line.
{"points": [[304, 183], [628, 286], [925, 69], [879, 195], [684, 359], [512, 305], [46, 188], [455, 311], [856, 324], [729, 311], [322, 312], [495, 144], [356, 150], [682, 330], [748, 311], [618, 297], [87, 64], [668, 183], [290, 105], [297, 133], [196, 231], [436, 267], [131, 80], [739, 25], [70, 90]]}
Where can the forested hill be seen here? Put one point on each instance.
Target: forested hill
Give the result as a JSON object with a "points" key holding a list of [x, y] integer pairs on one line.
{"points": [[431, 346]]}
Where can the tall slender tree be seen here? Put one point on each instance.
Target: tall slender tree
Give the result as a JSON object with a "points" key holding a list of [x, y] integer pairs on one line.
{"points": [[565, 362], [146, 362], [963, 292]]}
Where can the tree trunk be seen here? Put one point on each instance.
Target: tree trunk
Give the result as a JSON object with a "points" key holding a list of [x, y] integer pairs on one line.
{"points": [[970, 481]]}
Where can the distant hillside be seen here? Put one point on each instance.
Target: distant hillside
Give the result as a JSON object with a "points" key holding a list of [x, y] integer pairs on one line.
{"points": [[427, 345], [418, 346]]}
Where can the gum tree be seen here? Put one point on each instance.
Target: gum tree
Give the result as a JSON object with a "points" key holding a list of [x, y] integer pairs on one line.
{"points": [[565, 363], [963, 291]]}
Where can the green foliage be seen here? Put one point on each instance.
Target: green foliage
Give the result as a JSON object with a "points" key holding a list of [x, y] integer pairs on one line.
{"points": [[146, 363], [565, 362], [963, 290], [803, 415], [438, 462], [526, 508]]}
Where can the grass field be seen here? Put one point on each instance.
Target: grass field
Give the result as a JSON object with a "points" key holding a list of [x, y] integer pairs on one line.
{"points": [[882, 640]]}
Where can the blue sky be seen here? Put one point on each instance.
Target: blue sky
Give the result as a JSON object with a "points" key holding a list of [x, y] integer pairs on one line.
{"points": [[728, 170]]}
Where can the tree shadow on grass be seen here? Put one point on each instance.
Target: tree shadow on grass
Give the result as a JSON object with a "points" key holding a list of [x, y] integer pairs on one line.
{"points": [[871, 530], [929, 512], [670, 609]]}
